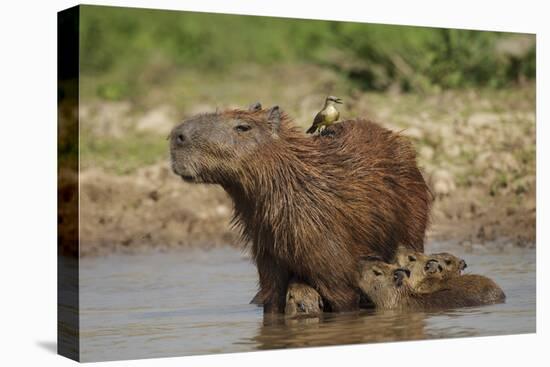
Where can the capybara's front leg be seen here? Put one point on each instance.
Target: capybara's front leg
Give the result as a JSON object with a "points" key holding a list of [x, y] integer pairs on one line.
{"points": [[273, 285], [341, 298]]}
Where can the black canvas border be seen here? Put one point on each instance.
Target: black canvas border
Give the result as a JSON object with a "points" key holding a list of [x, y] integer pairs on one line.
{"points": [[68, 320]]}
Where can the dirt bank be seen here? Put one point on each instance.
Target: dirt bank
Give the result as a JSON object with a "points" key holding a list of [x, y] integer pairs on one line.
{"points": [[153, 209]]}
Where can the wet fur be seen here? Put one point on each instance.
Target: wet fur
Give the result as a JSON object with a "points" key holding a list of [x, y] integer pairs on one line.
{"points": [[302, 301], [311, 207], [459, 291]]}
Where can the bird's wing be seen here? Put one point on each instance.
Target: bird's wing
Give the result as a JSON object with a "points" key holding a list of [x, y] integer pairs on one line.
{"points": [[320, 117]]}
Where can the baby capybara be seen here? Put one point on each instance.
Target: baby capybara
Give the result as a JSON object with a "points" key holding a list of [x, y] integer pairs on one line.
{"points": [[302, 301], [387, 286], [450, 263], [425, 269], [310, 207]]}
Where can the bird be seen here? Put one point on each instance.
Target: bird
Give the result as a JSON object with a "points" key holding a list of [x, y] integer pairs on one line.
{"points": [[327, 115]]}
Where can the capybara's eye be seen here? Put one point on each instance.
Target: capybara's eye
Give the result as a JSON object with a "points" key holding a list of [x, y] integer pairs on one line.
{"points": [[412, 258], [377, 272], [448, 262], [243, 128]]}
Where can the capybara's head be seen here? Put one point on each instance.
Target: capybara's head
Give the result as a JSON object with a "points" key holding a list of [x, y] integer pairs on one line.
{"points": [[421, 266], [302, 301], [383, 283], [451, 264], [212, 147]]}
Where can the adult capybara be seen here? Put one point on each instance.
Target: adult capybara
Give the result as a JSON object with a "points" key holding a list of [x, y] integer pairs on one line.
{"points": [[310, 207]]}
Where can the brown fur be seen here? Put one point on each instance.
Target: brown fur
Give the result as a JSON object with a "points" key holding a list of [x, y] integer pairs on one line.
{"points": [[425, 269], [451, 264], [302, 300], [310, 207], [420, 265], [388, 288]]}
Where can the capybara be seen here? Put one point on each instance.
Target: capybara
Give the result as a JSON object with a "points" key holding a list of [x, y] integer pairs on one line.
{"points": [[310, 207], [420, 265], [302, 300], [426, 269], [451, 264], [388, 288]]}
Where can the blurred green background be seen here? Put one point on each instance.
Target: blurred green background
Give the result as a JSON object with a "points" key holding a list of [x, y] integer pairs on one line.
{"points": [[129, 50]]}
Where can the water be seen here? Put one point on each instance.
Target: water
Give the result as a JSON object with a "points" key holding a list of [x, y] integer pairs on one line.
{"points": [[196, 302]]}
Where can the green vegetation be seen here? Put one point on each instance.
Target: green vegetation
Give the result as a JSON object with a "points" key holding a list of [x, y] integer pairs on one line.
{"points": [[126, 51], [122, 156]]}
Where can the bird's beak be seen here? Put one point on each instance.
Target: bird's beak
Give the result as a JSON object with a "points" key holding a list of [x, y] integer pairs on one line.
{"points": [[339, 100]]}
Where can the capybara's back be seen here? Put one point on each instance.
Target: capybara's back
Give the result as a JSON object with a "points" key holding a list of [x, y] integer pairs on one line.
{"points": [[382, 182], [464, 291]]}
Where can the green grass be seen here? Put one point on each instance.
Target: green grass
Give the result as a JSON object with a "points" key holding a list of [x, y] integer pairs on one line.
{"points": [[127, 52], [122, 155]]}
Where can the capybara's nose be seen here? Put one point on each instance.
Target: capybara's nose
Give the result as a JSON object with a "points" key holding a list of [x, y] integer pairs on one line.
{"points": [[432, 266], [179, 136], [462, 265], [399, 275], [180, 139]]}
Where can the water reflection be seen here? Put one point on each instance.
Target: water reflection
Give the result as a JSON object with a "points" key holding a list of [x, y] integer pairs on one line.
{"points": [[337, 329]]}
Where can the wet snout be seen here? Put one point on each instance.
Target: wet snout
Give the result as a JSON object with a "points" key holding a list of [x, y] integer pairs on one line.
{"points": [[462, 265], [181, 151], [399, 275], [433, 266]]}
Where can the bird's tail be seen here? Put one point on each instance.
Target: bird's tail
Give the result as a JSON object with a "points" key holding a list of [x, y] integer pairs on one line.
{"points": [[311, 130]]}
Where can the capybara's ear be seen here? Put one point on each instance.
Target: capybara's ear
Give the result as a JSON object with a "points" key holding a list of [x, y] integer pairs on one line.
{"points": [[255, 107], [274, 118]]}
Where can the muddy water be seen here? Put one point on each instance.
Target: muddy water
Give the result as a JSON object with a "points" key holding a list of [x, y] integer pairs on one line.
{"points": [[196, 302]]}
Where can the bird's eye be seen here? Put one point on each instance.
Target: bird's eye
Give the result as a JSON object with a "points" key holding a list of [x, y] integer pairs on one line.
{"points": [[243, 128]]}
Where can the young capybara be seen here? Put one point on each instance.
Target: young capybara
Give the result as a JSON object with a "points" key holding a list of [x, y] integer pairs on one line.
{"points": [[451, 264], [302, 301], [425, 269], [387, 286], [310, 207]]}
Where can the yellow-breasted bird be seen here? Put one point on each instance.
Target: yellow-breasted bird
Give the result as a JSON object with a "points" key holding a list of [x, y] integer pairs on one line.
{"points": [[327, 115]]}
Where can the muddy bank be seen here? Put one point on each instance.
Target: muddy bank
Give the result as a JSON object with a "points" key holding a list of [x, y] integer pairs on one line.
{"points": [[150, 209], [154, 209]]}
